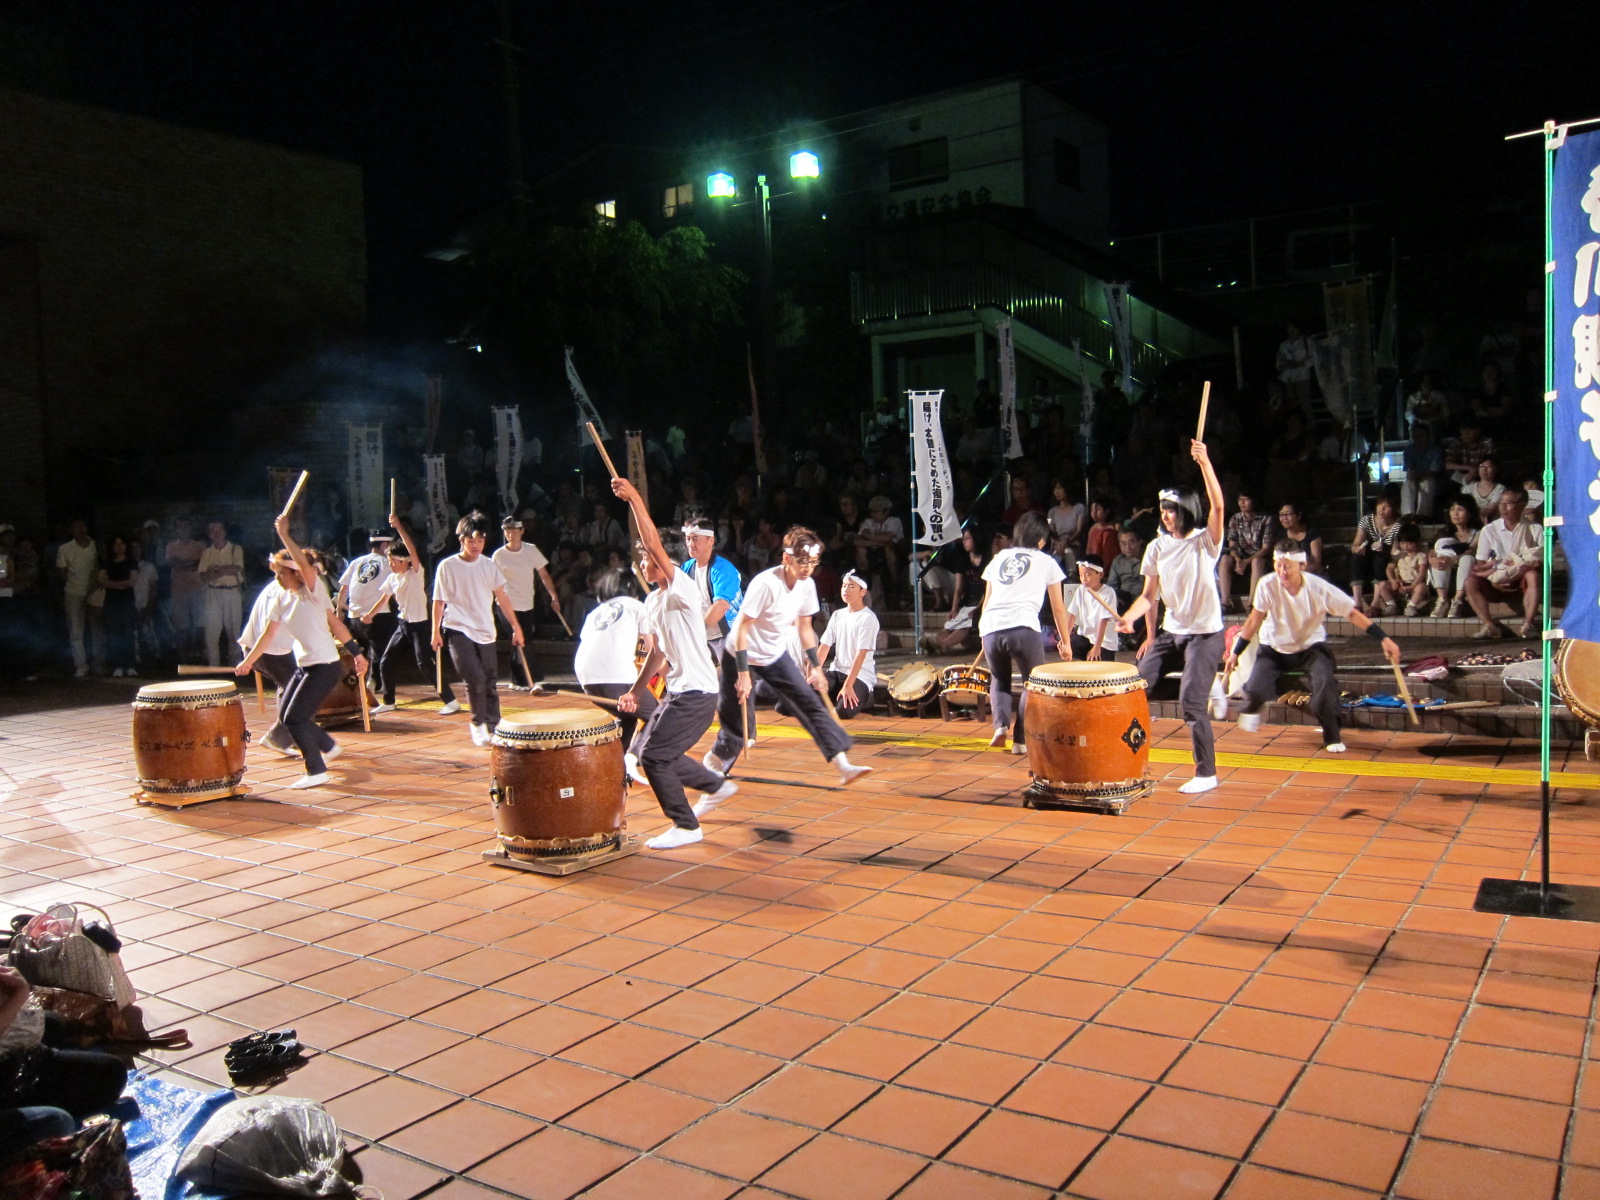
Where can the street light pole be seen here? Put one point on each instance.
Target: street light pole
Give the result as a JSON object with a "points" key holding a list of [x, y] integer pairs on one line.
{"points": [[769, 298]]}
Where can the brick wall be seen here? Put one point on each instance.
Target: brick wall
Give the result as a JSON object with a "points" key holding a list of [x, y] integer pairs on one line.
{"points": [[180, 273]]}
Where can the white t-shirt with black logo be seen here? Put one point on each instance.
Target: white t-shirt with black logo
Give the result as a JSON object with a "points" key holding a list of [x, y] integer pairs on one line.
{"points": [[468, 589], [676, 616], [769, 611], [1019, 580], [607, 642], [1187, 568], [364, 578]]}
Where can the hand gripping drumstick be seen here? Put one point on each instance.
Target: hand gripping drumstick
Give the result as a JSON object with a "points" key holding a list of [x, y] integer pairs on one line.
{"points": [[295, 495]]}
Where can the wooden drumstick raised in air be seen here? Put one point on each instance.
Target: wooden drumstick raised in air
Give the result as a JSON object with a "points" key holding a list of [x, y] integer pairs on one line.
{"points": [[601, 446], [1205, 402], [295, 494], [391, 493]]}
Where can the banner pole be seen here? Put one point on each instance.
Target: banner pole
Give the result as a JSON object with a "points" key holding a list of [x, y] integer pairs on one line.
{"points": [[916, 563], [1548, 541]]}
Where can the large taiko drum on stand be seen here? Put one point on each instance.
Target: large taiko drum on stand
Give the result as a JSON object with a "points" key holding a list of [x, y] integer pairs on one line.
{"points": [[343, 701], [1088, 730], [556, 782], [1577, 679], [188, 741]]}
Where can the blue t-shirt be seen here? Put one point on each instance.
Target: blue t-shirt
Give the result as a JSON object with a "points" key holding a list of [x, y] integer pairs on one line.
{"points": [[725, 585]]}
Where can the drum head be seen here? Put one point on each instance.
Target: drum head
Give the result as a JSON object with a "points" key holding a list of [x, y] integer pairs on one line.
{"points": [[1084, 672], [188, 689], [1577, 673], [555, 727], [913, 681]]}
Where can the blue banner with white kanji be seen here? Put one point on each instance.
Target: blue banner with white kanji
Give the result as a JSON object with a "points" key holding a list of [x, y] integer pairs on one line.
{"points": [[1575, 229]]}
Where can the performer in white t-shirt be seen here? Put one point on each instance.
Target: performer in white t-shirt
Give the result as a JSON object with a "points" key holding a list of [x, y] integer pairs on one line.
{"points": [[1098, 642], [466, 588], [852, 639], [607, 641], [675, 620], [1017, 582], [779, 600], [1290, 609], [304, 610], [523, 564], [357, 598], [1180, 570], [403, 587]]}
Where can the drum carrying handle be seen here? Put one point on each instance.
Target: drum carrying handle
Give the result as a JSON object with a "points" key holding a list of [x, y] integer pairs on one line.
{"points": [[497, 794]]}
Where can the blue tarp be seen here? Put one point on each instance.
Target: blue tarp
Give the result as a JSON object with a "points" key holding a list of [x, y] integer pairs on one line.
{"points": [[159, 1119]]}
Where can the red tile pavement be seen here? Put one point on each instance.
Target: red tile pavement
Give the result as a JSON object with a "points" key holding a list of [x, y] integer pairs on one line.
{"points": [[917, 988]]}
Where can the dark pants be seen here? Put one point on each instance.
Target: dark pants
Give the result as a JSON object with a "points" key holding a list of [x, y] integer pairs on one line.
{"points": [[630, 721], [1201, 655], [478, 668], [519, 677], [420, 635], [678, 723], [280, 669], [836, 686], [120, 618], [1369, 565], [374, 635], [70, 1085], [1082, 645], [1317, 662], [1017, 650], [791, 687], [297, 711]]}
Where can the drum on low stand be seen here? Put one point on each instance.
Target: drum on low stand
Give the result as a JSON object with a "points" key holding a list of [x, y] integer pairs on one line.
{"points": [[1088, 730], [964, 687], [343, 701], [556, 783], [913, 686], [188, 742], [1577, 677]]}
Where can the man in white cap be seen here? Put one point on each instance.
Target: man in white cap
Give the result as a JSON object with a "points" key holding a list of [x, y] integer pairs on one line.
{"points": [[778, 600], [1180, 571], [1290, 609]]}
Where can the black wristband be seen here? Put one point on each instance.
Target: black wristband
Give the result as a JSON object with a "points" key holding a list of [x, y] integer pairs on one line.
{"points": [[1376, 631], [352, 648], [1239, 643], [741, 659], [811, 655]]}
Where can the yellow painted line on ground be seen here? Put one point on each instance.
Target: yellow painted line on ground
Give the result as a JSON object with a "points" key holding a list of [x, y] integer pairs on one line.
{"points": [[1506, 776]]}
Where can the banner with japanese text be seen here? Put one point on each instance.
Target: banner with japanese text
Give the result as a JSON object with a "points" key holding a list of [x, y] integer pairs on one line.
{"points": [[1121, 331], [1010, 436], [1575, 233], [369, 488], [507, 456], [586, 409], [934, 522], [438, 500]]}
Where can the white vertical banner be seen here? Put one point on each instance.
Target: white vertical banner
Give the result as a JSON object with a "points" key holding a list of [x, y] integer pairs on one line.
{"points": [[507, 456], [368, 497], [438, 492], [930, 474], [1010, 436], [586, 408], [1121, 330], [1331, 360]]}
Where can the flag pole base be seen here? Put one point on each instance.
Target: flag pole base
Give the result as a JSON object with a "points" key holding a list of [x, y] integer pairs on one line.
{"points": [[1523, 898]]}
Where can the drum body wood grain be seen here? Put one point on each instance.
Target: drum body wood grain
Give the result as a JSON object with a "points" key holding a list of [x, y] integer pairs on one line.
{"points": [[965, 686], [188, 741], [1088, 728], [557, 783], [343, 701]]}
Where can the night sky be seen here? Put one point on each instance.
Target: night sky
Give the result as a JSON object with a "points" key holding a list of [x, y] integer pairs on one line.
{"points": [[1217, 109]]}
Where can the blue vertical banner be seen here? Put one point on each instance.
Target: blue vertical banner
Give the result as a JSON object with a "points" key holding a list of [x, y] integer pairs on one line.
{"points": [[1575, 242]]}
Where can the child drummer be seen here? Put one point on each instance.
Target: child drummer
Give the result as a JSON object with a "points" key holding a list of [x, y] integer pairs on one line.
{"points": [[403, 585], [1092, 607]]}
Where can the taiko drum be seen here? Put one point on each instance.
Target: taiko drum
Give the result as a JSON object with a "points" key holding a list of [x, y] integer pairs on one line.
{"points": [[188, 741], [557, 783], [1088, 732]]}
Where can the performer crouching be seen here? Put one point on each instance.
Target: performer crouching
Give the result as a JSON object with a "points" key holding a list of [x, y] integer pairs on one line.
{"points": [[852, 636], [1180, 571], [778, 600], [1016, 581], [403, 585], [1290, 609], [674, 616], [305, 610], [466, 587], [1091, 606]]}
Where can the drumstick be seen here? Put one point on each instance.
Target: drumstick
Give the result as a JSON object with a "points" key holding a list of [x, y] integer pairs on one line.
{"points": [[391, 493], [979, 660], [366, 705], [1105, 604], [261, 696], [438, 671], [523, 658], [190, 669], [750, 724], [1405, 693], [542, 690], [563, 621], [601, 446], [1205, 402], [295, 495]]}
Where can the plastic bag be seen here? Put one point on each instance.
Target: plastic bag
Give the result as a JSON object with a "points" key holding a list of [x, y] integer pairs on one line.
{"points": [[272, 1144]]}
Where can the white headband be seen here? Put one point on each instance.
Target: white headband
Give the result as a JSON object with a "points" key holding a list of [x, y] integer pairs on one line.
{"points": [[698, 529], [851, 575], [809, 550], [1298, 556]]}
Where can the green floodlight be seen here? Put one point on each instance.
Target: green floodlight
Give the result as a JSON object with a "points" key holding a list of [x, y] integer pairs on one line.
{"points": [[803, 164], [720, 186]]}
